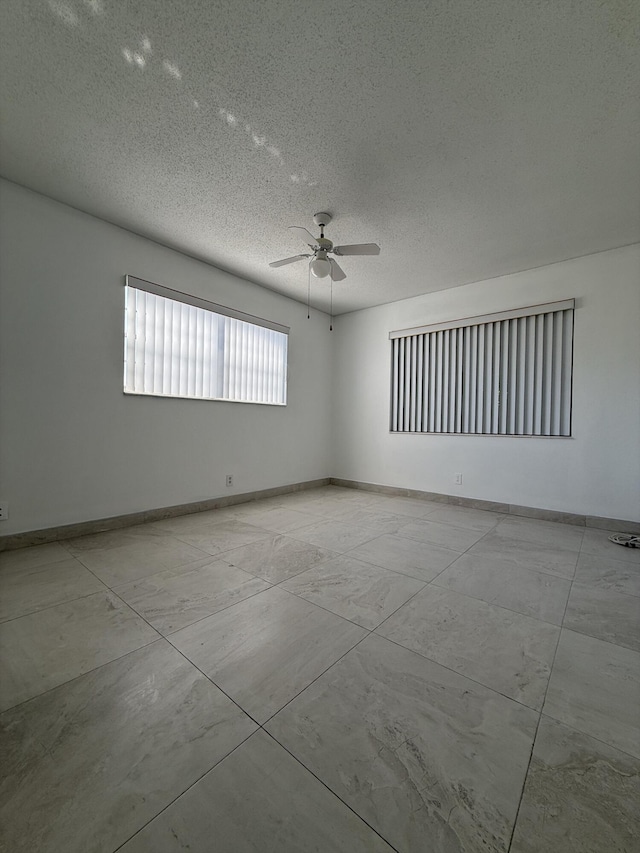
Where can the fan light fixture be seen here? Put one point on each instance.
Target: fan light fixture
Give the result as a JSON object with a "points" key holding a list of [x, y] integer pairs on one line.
{"points": [[320, 265]]}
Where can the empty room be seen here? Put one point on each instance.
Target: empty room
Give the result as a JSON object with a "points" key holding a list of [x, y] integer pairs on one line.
{"points": [[320, 426]]}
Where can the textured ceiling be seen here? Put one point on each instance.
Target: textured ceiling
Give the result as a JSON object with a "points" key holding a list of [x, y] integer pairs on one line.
{"points": [[469, 138]]}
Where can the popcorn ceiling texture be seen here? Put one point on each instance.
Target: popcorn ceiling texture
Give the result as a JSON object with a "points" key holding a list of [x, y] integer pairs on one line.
{"points": [[469, 139]]}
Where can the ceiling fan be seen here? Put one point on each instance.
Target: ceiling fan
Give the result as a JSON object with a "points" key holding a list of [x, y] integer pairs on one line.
{"points": [[321, 265]]}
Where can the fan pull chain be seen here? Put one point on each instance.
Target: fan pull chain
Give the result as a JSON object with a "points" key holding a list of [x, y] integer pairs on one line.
{"points": [[308, 290], [331, 304]]}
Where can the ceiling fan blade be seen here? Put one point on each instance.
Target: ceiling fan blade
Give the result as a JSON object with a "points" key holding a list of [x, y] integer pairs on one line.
{"points": [[306, 236], [337, 273], [357, 249], [288, 260]]}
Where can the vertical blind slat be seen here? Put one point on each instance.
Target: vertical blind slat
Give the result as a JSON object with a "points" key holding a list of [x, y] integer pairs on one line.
{"points": [[438, 372], [459, 375], [473, 385], [432, 381], [414, 363], [567, 378], [479, 378], [467, 368], [453, 372], [444, 392], [548, 373], [419, 383], [401, 385], [556, 405], [495, 397], [394, 384], [538, 375]]}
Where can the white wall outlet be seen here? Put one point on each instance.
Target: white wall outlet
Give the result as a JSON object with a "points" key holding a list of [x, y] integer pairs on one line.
{"points": [[457, 479], [4, 510], [229, 480]]}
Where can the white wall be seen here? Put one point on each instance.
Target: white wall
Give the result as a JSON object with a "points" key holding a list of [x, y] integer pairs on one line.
{"points": [[73, 447], [596, 472]]}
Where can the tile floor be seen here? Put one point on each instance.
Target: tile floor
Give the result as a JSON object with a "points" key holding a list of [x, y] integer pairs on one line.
{"points": [[331, 670]]}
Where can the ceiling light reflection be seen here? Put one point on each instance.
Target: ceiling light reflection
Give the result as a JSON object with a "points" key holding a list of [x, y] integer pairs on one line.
{"points": [[172, 69], [96, 7], [64, 12]]}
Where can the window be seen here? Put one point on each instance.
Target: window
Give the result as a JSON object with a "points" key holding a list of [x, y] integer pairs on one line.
{"points": [[182, 346], [501, 374]]}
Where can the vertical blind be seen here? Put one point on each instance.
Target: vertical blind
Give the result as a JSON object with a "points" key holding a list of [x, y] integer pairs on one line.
{"points": [[180, 348], [501, 374]]}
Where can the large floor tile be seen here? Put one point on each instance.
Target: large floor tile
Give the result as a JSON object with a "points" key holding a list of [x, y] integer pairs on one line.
{"points": [[197, 522], [436, 533], [608, 574], [277, 558], [280, 519], [117, 538], [45, 649], [335, 536], [258, 799], [431, 760], [88, 764], [223, 536], [407, 506], [563, 536], [418, 559], [25, 588], [536, 594], [306, 501], [173, 599], [506, 651], [527, 555], [605, 614], [136, 560], [581, 796], [264, 651], [596, 543], [459, 516], [34, 556], [325, 508], [361, 592], [595, 688], [382, 522]]}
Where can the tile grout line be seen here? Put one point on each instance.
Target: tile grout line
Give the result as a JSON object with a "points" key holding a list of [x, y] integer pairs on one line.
{"points": [[324, 672], [186, 790], [81, 675], [321, 606], [429, 582], [331, 791], [455, 672], [57, 604], [540, 715], [195, 666]]}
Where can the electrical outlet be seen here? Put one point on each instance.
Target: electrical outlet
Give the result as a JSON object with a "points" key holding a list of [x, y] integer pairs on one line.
{"points": [[229, 479], [4, 510], [457, 479]]}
